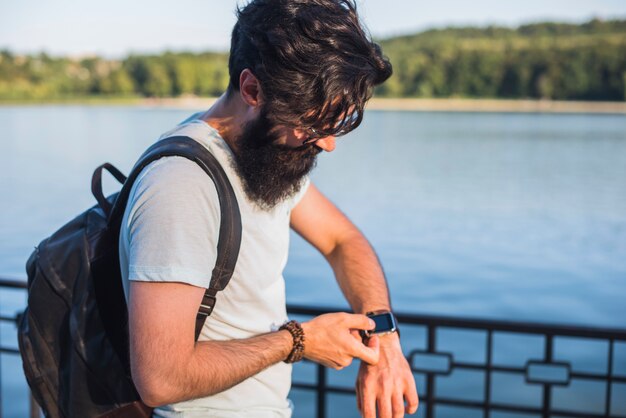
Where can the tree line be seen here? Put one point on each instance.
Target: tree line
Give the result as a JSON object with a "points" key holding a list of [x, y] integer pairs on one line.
{"points": [[42, 77], [541, 61]]}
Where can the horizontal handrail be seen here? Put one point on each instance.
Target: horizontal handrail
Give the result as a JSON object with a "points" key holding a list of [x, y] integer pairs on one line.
{"points": [[448, 321], [483, 324], [14, 284]]}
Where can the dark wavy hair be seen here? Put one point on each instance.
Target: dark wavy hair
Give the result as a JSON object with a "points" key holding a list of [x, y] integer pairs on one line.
{"points": [[315, 61]]}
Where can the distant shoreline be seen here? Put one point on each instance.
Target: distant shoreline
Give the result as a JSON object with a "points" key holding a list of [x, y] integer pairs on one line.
{"points": [[497, 105], [378, 104]]}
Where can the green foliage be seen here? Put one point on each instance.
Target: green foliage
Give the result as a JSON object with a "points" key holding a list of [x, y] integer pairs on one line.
{"points": [[41, 77], [542, 61]]}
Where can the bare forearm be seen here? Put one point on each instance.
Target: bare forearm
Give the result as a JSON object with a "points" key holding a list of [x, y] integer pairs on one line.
{"points": [[214, 366], [359, 274]]}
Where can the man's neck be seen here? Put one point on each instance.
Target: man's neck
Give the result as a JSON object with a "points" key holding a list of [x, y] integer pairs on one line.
{"points": [[227, 116]]}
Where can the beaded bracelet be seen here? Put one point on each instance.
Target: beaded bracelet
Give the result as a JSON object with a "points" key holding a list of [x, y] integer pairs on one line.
{"points": [[297, 352]]}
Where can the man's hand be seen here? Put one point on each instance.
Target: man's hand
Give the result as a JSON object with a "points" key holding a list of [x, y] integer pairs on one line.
{"points": [[330, 340], [387, 385]]}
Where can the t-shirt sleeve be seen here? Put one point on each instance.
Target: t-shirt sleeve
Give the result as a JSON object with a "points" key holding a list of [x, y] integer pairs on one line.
{"points": [[173, 224], [306, 182]]}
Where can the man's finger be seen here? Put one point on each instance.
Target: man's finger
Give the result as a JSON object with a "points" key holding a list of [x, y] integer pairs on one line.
{"points": [[373, 342], [397, 404], [384, 406], [356, 335], [369, 353], [368, 404], [357, 321], [358, 397], [410, 395]]}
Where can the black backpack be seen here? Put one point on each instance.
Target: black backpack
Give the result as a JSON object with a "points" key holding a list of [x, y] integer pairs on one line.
{"points": [[73, 336]]}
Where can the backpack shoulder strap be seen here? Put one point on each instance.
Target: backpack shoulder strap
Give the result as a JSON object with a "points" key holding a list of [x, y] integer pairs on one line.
{"points": [[229, 240]]}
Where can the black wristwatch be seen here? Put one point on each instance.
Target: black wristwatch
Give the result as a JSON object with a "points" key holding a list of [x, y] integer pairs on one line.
{"points": [[385, 324]]}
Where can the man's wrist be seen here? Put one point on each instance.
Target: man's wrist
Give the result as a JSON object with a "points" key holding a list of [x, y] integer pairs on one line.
{"points": [[297, 333], [389, 339], [286, 343]]}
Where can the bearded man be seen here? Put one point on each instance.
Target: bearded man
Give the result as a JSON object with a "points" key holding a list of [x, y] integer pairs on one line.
{"points": [[301, 72]]}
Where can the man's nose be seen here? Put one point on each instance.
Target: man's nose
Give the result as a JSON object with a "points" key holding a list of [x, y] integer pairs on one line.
{"points": [[327, 143]]}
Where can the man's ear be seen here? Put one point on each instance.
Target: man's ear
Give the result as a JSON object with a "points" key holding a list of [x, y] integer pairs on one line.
{"points": [[250, 88]]}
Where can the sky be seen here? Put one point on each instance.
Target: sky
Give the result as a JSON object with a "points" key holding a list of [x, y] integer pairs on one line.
{"points": [[114, 28]]}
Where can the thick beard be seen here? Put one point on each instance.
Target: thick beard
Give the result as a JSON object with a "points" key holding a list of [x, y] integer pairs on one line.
{"points": [[271, 173]]}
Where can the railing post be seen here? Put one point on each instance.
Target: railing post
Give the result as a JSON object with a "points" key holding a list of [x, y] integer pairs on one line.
{"points": [[547, 388], [1, 374], [609, 380], [488, 373], [321, 391], [430, 377]]}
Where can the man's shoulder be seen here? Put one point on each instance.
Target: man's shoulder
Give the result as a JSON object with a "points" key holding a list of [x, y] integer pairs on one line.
{"points": [[173, 171], [173, 182]]}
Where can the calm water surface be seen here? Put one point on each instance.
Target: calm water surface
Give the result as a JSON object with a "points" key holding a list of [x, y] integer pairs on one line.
{"points": [[510, 216]]}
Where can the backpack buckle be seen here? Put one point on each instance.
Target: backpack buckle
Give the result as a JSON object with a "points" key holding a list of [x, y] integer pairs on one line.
{"points": [[207, 305]]}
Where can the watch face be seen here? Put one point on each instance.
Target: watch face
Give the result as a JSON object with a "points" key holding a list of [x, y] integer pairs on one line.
{"points": [[384, 323]]}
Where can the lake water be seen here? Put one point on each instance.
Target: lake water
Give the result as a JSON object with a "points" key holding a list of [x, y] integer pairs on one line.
{"points": [[508, 216]]}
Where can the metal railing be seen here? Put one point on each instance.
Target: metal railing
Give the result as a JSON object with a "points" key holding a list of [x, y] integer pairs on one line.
{"points": [[543, 369], [14, 284], [550, 368]]}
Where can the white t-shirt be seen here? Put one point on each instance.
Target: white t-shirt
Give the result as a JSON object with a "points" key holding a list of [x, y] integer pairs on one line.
{"points": [[169, 233]]}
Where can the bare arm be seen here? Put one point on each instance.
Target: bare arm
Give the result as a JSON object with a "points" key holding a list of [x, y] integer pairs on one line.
{"points": [[354, 262], [169, 366], [386, 386]]}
